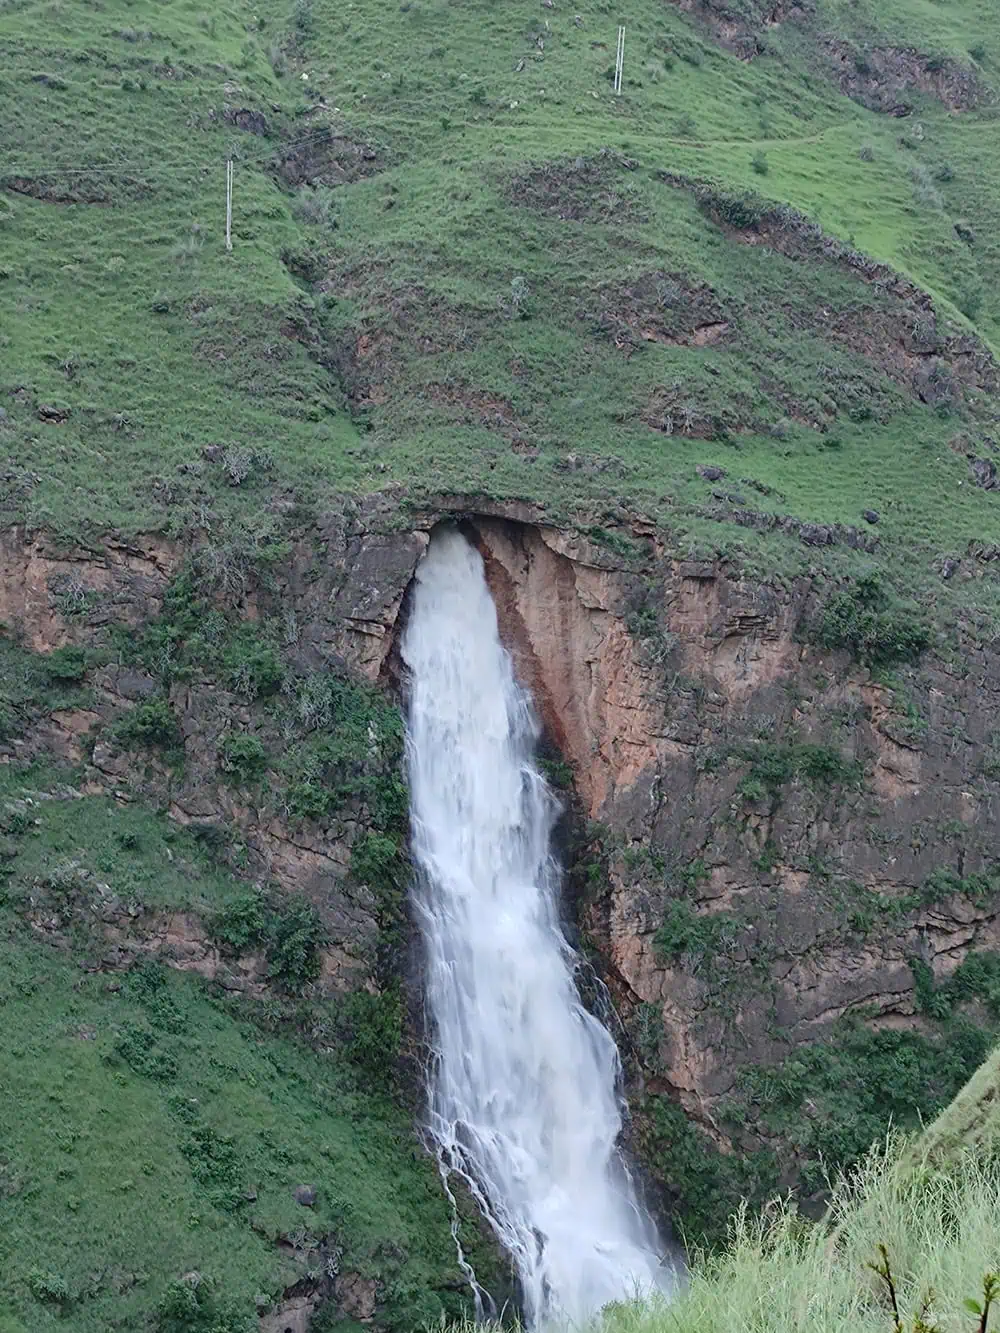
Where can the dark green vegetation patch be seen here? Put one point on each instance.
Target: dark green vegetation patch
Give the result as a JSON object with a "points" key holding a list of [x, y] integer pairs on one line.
{"points": [[155, 1126]]}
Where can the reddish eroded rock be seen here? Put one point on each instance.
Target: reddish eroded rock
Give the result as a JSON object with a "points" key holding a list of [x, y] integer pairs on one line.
{"points": [[659, 679], [882, 77], [640, 725], [38, 576]]}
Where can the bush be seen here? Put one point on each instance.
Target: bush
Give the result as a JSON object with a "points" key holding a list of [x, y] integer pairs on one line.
{"points": [[241, 925], [255, 669], [308, 799], [243, 756], [185, 633], [48, 1286], [314, 207], [373, 1029], [66, 665], [771, 766], [376, 860], [294, 940], [759, 164], [685, 932], [707, 1185], [821, 764], [241, 461], [139, 1048], [977, 978], [837, 1096], [877, 630], [304, 19], [192, 1304], [353, 752], [148, 985], [288, 932], [151, 723], [923, 187]]}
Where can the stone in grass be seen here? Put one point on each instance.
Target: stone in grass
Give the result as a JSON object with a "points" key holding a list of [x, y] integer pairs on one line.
{"points": [[984, 473], [305, 1195], [711, 473], [871, 515]]}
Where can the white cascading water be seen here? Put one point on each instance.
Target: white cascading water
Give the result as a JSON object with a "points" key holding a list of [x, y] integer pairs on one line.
{"points": [[524, 1085]]}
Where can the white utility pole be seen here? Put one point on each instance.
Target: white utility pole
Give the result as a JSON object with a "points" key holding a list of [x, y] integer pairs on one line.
{"points": [[229, 203], [620, 61]]}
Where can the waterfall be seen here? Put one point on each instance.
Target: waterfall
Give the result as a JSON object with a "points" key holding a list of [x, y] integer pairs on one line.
{"points": [[524, 1096]]}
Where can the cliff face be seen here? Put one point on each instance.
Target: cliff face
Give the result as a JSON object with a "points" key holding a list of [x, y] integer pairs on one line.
{"points": [[780, 839], [766, 783]]}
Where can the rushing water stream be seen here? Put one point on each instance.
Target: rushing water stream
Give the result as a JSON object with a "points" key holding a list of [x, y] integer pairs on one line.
{"points": [[524, 1086]]}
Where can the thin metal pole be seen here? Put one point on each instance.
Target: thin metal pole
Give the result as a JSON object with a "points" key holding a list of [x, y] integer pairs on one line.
{"points": [[229, 203], [620, 60]]}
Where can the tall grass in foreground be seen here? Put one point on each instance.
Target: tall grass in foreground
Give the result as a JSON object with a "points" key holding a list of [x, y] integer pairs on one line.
{"points": [[934, 1230], [937, 1228]]}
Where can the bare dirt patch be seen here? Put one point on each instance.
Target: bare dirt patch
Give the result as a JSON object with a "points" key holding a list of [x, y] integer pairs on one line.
{"points": [[660, 307], [79, 188], [739, 27], [882, 77], [476, 407], [325, 155], [672, 409], [582, 189]]}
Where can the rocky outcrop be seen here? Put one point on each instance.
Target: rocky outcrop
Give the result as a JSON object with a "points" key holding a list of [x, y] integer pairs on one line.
{"points": [[878, 74], [884, 78], [831, 827], [664, 724]]}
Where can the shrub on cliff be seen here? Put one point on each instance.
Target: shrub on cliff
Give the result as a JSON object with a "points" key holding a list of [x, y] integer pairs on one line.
{"points": [[287, 930], [867, 620], [66, 665], [242, 756], [151, 723]]}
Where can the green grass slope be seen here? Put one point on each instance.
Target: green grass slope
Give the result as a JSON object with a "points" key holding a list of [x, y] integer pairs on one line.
{"points": [[154, 1125], [971, 1122], [934, 1234], [457, 265]]}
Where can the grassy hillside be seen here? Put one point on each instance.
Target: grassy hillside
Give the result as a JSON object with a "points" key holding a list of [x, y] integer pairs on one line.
{"points": [[921, 1210], [155, 1125], [457, 264]]}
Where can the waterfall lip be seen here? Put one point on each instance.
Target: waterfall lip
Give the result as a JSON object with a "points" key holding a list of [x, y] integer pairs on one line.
{"points": [[524, 1096]]}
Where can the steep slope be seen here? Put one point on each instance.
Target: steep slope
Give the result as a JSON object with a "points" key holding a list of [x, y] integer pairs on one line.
{"points": [[726, 342], [457, 263]]}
